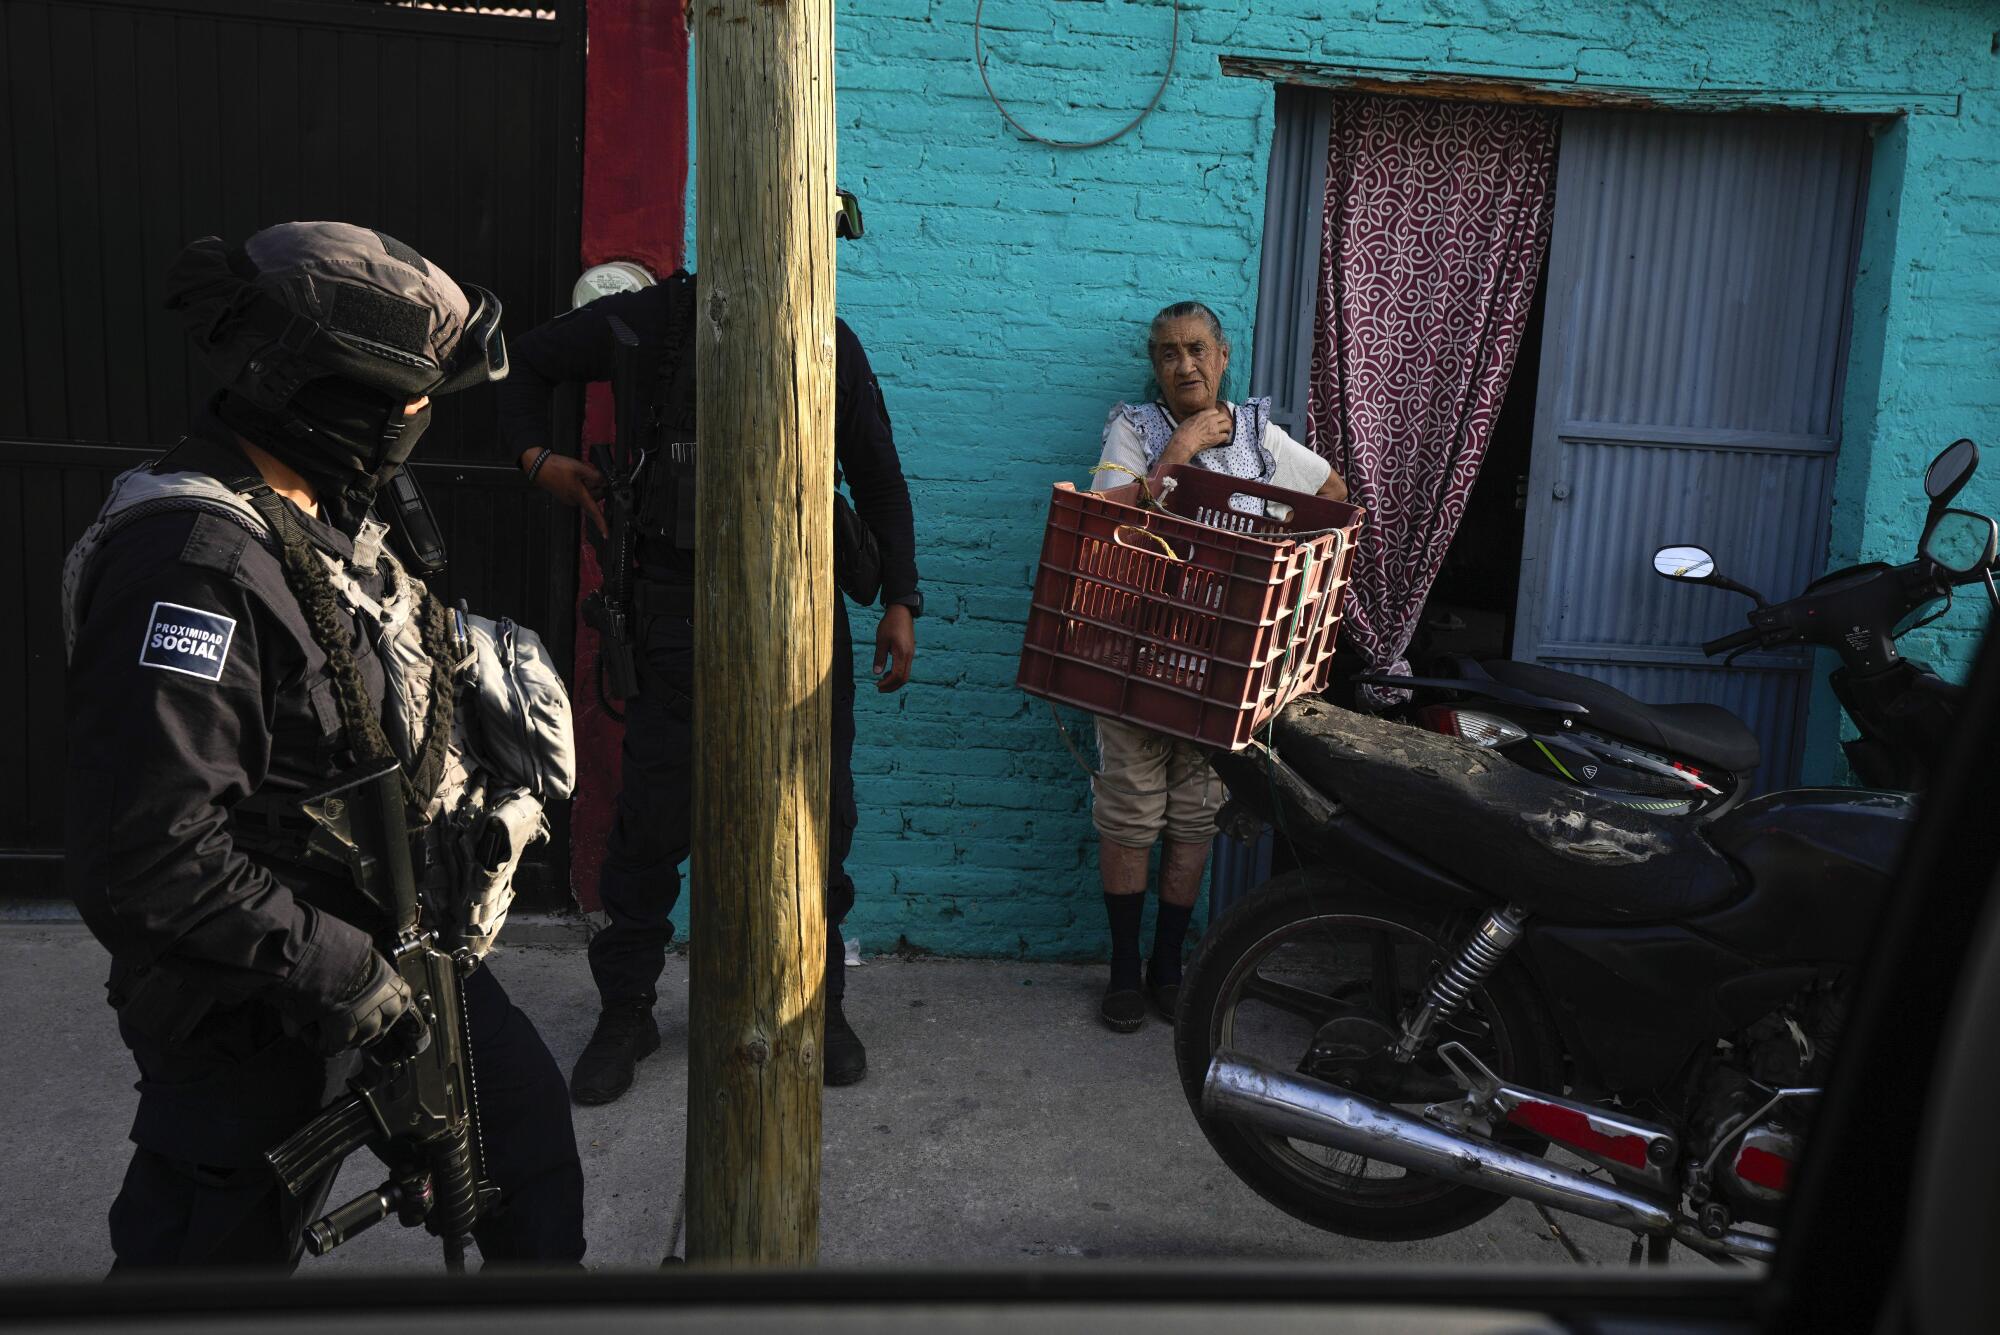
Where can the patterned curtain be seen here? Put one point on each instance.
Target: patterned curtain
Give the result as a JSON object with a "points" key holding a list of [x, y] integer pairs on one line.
{"points": [[1437, 217]]}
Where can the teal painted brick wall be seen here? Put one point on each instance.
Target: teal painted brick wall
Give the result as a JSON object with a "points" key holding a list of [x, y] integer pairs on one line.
{"points": [[1003, 287], [1924, 364]]}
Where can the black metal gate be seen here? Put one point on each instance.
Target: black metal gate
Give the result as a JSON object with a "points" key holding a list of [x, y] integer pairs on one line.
{"points": [[132, 126]]}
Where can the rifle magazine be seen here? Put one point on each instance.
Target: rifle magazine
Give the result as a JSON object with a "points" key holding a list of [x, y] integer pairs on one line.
{"points": [[319, 1146]]}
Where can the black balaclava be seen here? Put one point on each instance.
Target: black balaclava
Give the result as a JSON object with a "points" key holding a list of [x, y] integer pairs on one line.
{"points": [[345, 440]]}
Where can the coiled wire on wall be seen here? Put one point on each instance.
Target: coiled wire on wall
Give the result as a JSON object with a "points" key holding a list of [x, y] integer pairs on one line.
{"points": [[979, 57]]}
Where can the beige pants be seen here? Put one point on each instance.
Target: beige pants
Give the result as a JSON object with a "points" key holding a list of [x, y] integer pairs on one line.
{"points": [[1145, 762]]}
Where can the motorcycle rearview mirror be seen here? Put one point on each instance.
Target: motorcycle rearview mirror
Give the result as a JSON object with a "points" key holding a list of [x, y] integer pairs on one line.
{"points": [[1693, 565], [1961, 542], [1688, 563], [1950, 471]]}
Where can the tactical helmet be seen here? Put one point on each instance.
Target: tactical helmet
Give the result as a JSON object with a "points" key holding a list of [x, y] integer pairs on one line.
{"points": [[847, 215], [309, 299], [322, 333]]}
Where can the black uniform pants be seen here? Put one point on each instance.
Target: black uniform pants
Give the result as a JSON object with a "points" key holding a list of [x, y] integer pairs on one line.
{"points": [[640, 881], [176, 1212]]}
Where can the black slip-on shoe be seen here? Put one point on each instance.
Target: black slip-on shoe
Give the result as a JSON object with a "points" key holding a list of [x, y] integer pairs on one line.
{"points": [[1122, 1010]]}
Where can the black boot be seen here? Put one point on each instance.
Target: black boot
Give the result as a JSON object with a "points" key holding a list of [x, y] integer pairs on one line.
{"points": [[846, 1060], [625, 1035]]}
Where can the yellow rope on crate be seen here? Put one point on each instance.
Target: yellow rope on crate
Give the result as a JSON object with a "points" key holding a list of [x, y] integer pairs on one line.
{"points": [[1106, 466], [1150, 536], [1147, 501]]}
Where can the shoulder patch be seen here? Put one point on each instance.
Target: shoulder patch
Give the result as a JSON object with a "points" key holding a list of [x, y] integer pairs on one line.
{"points": [[187, 640]]}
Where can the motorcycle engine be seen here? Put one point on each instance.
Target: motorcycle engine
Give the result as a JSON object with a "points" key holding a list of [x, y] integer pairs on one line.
{"points": [[1788, 1049]]}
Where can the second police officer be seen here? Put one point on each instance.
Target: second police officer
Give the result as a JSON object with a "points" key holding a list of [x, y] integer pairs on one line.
{"points": [[640, 880]]}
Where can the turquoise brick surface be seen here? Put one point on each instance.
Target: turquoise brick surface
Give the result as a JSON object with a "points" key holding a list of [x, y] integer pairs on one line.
{"points": [[1003, 286]]}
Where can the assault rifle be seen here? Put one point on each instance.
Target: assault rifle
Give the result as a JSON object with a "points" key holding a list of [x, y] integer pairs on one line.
{"points": [[608, 609], [414, 1100]]}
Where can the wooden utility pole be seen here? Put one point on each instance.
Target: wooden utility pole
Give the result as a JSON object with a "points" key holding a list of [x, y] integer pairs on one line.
{"points": [[763, 627]]}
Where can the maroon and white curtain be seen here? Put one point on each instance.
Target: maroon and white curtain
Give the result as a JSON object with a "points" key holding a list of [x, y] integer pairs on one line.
{"points": [[1437, 217]]}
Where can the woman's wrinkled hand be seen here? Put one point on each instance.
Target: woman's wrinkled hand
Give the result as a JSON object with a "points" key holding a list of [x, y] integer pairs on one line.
{"points": [[573, 482], [1204, 431]]}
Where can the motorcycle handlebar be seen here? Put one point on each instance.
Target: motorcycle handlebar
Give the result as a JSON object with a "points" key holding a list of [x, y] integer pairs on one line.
{"points": [[1748, 635]]}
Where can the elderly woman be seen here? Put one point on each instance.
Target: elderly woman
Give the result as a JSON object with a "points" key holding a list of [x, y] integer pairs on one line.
{"points": [[1149, 784]]}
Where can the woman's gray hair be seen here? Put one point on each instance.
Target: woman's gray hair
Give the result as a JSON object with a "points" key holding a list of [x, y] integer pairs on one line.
{"points": [[1182, 310]]}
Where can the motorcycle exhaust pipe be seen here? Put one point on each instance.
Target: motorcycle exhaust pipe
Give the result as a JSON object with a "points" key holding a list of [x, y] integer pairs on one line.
{"points": [[1285, 1103]]}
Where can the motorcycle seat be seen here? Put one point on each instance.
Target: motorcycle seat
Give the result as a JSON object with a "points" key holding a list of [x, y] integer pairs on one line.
{"points": [[1706, 733], [1519, 836]]}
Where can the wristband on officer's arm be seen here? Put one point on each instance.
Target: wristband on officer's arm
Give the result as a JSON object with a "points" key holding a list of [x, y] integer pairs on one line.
{"points": [[536, 466]]}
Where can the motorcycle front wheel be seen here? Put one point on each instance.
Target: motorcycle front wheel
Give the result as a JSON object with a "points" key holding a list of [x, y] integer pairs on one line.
{"points": [[1313, 963]]}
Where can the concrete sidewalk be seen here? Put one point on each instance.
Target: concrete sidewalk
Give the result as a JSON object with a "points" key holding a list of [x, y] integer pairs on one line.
{"points": [[999, 1123]]}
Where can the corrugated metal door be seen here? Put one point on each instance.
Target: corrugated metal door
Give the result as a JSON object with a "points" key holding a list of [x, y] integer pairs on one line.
{"points": [[131, 128], [1699, 281], [1288, 273]]}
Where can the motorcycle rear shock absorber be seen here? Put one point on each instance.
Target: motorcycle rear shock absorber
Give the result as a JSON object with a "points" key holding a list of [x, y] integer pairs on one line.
{"points": [[1457, 979]]}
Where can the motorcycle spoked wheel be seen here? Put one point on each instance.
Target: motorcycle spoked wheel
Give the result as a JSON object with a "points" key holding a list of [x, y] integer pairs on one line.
{"points": [[1309, 946]]}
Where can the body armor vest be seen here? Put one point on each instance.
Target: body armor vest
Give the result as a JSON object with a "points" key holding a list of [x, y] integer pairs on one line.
{"points": [[653, 389], [653, 385], [511, 745]]}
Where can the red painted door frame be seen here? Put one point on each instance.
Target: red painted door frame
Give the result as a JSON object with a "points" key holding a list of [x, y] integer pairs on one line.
{"points": [[635, 164]]}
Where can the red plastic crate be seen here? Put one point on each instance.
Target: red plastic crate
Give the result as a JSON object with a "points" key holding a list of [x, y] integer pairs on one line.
{"points": [[1207, 644]]}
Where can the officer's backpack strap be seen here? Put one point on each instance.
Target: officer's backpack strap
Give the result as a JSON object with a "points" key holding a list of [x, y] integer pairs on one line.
{"points": [[141, 493], [272, 508]]}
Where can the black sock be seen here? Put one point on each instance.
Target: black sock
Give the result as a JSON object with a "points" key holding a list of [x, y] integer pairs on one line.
{"points": [[1124, 911], [1169, 932]]}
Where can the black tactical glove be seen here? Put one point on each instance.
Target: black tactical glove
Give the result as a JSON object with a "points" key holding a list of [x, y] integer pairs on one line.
{"points": [[373, 999]]}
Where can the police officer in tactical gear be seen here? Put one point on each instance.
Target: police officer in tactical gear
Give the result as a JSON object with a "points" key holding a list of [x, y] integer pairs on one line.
{"points": [[640, 881], [216, 674]]}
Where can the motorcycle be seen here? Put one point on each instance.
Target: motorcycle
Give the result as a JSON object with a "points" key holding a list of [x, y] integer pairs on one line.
{"points": [[1696, 759], [1476, 964], [1670, 760], [1902, 709]]}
